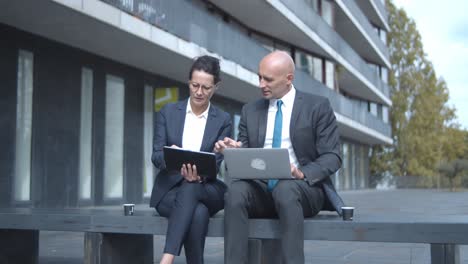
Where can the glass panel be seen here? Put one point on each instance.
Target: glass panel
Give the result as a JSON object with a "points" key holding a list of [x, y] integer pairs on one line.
{"points": [[267, 43], [86, 124], [385, 114], [313, 4], [373, 108], [148, 168], [165, 95], [379, 111], [383, 36], [352, 163], [330, 74], [127, 4], [346, 167], [301, 61], [22, 181], [318, 72], [327, 12], [384, 74], [114, 137], [363, 167], [374, 68]]}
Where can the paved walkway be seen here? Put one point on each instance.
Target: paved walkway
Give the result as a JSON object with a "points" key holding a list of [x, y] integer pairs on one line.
{"points": [[67, 247]]}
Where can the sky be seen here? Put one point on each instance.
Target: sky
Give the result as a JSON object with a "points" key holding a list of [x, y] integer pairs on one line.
{"points": [[443, 26]]}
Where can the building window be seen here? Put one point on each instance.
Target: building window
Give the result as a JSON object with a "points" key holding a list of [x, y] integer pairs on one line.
{"points": [[327, 12], [303, 62], [318, 69], [383, 36], [314, 4], [374, 68], [352, 163], [379, 111], [22, 181], [384, 74], [385, 114], [309, 64], [345, 167], [330, 74], [114, 137], [86, 123], [148, 168], [127, 5], [264, 41], [373, 108]]}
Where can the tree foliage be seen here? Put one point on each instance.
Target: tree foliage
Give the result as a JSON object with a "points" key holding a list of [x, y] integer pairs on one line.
{"points": [[452, 170], [424, 131]]}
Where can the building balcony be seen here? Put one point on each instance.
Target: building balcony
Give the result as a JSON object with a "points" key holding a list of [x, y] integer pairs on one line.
{"points": [[150, 35], [376, 11], [354, 120], [355, 28], [296, 22]]}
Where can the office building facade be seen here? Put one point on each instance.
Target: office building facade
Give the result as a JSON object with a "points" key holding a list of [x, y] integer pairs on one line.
{"points": [[81, 80]]}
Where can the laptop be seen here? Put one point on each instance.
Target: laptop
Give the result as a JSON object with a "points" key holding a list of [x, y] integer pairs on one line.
{"points": [[257, 163]]}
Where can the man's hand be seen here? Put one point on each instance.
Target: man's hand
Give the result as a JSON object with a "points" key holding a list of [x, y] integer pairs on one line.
{"points": [[296, 173], [226, 143], [189, 172]]}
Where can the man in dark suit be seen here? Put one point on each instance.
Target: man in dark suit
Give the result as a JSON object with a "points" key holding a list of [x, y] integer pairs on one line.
{"points": [[305, 125]]}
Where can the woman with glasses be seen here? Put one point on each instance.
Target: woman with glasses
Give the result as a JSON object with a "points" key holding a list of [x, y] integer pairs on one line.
{"points": [[182, 196]]}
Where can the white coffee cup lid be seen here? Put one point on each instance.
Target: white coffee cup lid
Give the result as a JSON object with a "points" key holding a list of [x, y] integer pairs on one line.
{"points": [[128, 204], [347, 207]]}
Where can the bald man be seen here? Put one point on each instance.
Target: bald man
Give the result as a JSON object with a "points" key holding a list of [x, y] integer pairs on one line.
{"points": [[309, 131]]}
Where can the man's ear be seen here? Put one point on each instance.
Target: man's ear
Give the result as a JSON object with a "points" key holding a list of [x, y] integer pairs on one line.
{"points": [[290, 77]]}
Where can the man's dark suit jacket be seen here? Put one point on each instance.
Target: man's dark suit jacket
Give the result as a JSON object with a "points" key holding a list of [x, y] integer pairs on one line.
{"points": [[314, 137], [169, 128]]}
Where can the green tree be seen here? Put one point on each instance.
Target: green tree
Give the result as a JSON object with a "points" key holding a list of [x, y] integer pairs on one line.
{"points": [[420, 117], [453, 170]]}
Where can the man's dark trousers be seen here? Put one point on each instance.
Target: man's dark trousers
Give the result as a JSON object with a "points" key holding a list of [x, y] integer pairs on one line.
{"points": [[289, 201]]}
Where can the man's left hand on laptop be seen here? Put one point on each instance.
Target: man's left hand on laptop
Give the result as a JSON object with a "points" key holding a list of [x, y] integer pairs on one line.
{"points": [[296, 172]]}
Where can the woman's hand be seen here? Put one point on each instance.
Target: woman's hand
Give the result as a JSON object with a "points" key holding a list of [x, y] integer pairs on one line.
{"points": [[220, 145], [189, 172]]}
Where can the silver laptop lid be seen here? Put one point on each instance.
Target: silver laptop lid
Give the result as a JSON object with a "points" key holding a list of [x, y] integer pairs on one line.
{"points": [[257, 163]]}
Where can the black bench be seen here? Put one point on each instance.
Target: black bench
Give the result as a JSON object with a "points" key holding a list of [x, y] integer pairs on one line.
{"points": [[111, 237]]}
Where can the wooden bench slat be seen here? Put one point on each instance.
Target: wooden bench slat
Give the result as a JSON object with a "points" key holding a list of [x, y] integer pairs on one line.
{"points": [[409, 229]]}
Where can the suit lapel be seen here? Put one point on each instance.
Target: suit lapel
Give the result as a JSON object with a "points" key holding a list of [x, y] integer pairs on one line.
{"points": [[297, 106], [180, 122], [262, 122], [211, 129]]}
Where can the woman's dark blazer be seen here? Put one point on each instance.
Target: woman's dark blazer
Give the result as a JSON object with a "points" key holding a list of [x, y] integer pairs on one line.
{"points": [[169, 127]]}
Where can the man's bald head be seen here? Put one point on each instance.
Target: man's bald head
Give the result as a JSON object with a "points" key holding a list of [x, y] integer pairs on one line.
{"points": [[280, 60], [276, 72]]}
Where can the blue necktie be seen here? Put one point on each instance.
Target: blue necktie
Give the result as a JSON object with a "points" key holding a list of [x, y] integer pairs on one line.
{"points": [[276, 137]]}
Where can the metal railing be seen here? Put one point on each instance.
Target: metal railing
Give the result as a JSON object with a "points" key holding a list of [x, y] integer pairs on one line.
{"points": [[353, 109], [381, 8], [364, 22], [307, 15], [191, 22]]}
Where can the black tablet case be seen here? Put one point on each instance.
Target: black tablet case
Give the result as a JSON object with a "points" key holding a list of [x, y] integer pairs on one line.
{"points": [[205, 161]]}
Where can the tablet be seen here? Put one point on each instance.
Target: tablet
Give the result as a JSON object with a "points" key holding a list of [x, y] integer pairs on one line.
{"points": [[205, 161]]}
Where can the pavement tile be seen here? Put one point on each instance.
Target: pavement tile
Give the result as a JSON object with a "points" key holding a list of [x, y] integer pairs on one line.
{"points": [[67, 247]]}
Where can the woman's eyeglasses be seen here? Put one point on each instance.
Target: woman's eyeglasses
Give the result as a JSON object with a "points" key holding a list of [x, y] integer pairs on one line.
{"points": [[195, 86]]}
